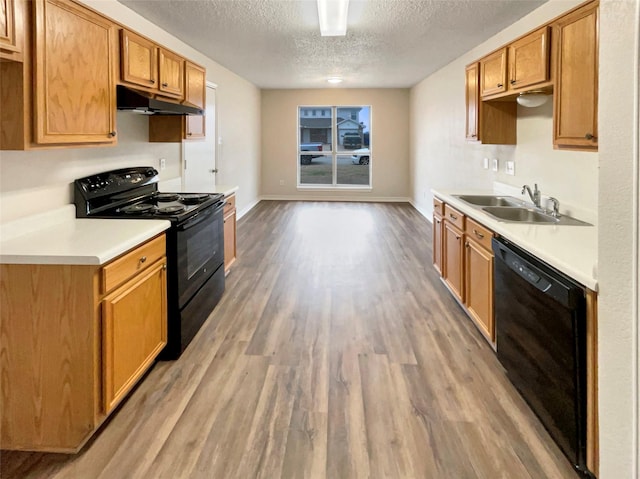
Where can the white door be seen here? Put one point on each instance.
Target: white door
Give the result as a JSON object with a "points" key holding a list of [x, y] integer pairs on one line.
{"points": [[199, 156]]}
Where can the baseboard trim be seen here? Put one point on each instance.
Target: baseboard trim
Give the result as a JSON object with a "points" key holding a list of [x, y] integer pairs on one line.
{"points": [[246, 209], [428, 216], [307, 197]]}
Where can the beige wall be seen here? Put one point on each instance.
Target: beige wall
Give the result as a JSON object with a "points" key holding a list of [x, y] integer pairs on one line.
{"points": [[389, 142], [441, 158], [35, 181]]}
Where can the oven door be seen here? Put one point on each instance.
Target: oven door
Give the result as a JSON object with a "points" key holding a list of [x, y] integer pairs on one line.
{"points": [[200, 248]]}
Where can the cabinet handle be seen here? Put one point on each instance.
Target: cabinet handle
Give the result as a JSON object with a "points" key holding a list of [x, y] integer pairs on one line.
{"points": [[165, 84], [452, 216], [467, 244], [513, 82], [500, 85], [589, 136], [112, 134], [478, 234], [143, 259], [152, 81], [164, 266]]}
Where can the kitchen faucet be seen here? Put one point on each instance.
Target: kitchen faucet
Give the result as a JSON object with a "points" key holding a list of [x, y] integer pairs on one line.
{"points": [[535, 195]]}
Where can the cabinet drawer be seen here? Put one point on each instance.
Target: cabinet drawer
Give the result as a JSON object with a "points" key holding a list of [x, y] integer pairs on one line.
{"points": [[231, 204], [438, 206], [479, 233], [123, 268], [454, 217]]}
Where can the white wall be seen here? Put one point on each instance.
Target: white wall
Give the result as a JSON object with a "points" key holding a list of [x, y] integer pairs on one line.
{"points": [[34, 181], [441, 158], [389, 141], [619, 238]]}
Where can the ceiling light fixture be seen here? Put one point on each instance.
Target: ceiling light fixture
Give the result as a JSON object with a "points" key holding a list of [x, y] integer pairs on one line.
{"points": [[333, 17], [334, 80], [532, 99]]}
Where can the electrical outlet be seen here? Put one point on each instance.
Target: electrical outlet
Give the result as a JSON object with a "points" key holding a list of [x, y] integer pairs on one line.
{"points": [[163, 164], [281, 182], [219, 140], [485, 163], [495, 164], [510, 168]]}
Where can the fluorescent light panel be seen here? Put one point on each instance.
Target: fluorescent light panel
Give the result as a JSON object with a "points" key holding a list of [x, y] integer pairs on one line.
{"points": [[333, 17]]}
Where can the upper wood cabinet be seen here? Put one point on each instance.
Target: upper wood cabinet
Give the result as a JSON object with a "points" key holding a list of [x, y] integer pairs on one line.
{"points": [[171, 67], [472, 98], [150, 67], [529, 60], [11, 29], [575, 99], [195, 85], [493, 73], [491, 122], [138, 59], [74, 75]]}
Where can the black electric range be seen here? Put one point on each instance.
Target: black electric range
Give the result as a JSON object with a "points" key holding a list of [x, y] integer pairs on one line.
{"points": [[195, 241]]}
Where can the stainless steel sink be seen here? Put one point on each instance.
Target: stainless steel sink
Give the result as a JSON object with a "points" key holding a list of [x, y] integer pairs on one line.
{"points": [[520, 215], [490, 200], [530, 215]]}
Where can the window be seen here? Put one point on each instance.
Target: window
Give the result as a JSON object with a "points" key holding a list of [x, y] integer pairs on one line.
{"points": [[334, 150]]}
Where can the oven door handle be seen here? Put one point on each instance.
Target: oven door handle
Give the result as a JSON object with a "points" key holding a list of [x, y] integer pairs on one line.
{"points": [[197, 219]]}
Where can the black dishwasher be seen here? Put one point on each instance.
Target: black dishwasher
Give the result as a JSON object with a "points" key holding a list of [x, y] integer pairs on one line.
{"points": [[540, 317]]}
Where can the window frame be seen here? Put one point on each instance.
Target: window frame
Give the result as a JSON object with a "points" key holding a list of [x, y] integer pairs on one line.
{"points": [[334, 153]]}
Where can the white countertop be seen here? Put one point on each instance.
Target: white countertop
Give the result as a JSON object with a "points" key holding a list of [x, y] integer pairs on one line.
{"points": [[226, 190], [58, 237], [571, 249]]}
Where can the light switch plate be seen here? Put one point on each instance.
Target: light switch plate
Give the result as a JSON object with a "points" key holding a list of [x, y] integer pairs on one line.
{"points": [[510, 168], [485, 163], [495, 164]]}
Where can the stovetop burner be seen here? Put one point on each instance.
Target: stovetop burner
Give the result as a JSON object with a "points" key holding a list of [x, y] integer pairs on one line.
{"points": [[170, 210], [192, 198], [137, 209], [167, 196]]}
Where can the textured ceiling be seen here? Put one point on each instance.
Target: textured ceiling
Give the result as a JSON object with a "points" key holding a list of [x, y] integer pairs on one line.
{"points": [[277, 43]]}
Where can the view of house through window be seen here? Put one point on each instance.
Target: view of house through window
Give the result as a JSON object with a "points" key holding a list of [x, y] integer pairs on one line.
{"points": [[334, 146]]}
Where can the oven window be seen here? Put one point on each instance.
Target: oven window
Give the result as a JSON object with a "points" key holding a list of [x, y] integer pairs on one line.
{"points": [[202, 245]]}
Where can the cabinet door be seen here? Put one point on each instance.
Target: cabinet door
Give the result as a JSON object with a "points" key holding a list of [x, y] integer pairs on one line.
{"points": [[479, 286], [576, 79], [472, 98], [229, 239], [134, 331], [437, 242], [171, 74], [195, 85], [74, 85], [493, 73], [453, 259], [7, 26], [138, 60], [529, 60]]}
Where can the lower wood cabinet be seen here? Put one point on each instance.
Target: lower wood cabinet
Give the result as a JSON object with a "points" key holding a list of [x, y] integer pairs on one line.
{"points": [[229, 232], [478, 272], [462, 255], [75, 340], [134, 331]]}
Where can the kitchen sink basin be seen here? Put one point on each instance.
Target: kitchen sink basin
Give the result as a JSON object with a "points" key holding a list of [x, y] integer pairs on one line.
{"points": [[530, 215], [490, 200], [520, 215]]}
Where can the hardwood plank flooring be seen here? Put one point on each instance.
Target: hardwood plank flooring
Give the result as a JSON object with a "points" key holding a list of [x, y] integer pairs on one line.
{"points": [[336, 352]]}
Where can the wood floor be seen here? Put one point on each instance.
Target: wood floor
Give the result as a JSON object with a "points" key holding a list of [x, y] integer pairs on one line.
{"points": [[336, 352]]}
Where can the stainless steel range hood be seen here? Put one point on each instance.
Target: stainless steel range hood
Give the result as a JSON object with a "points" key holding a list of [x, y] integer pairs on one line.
{"points": [[139, 102]]}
